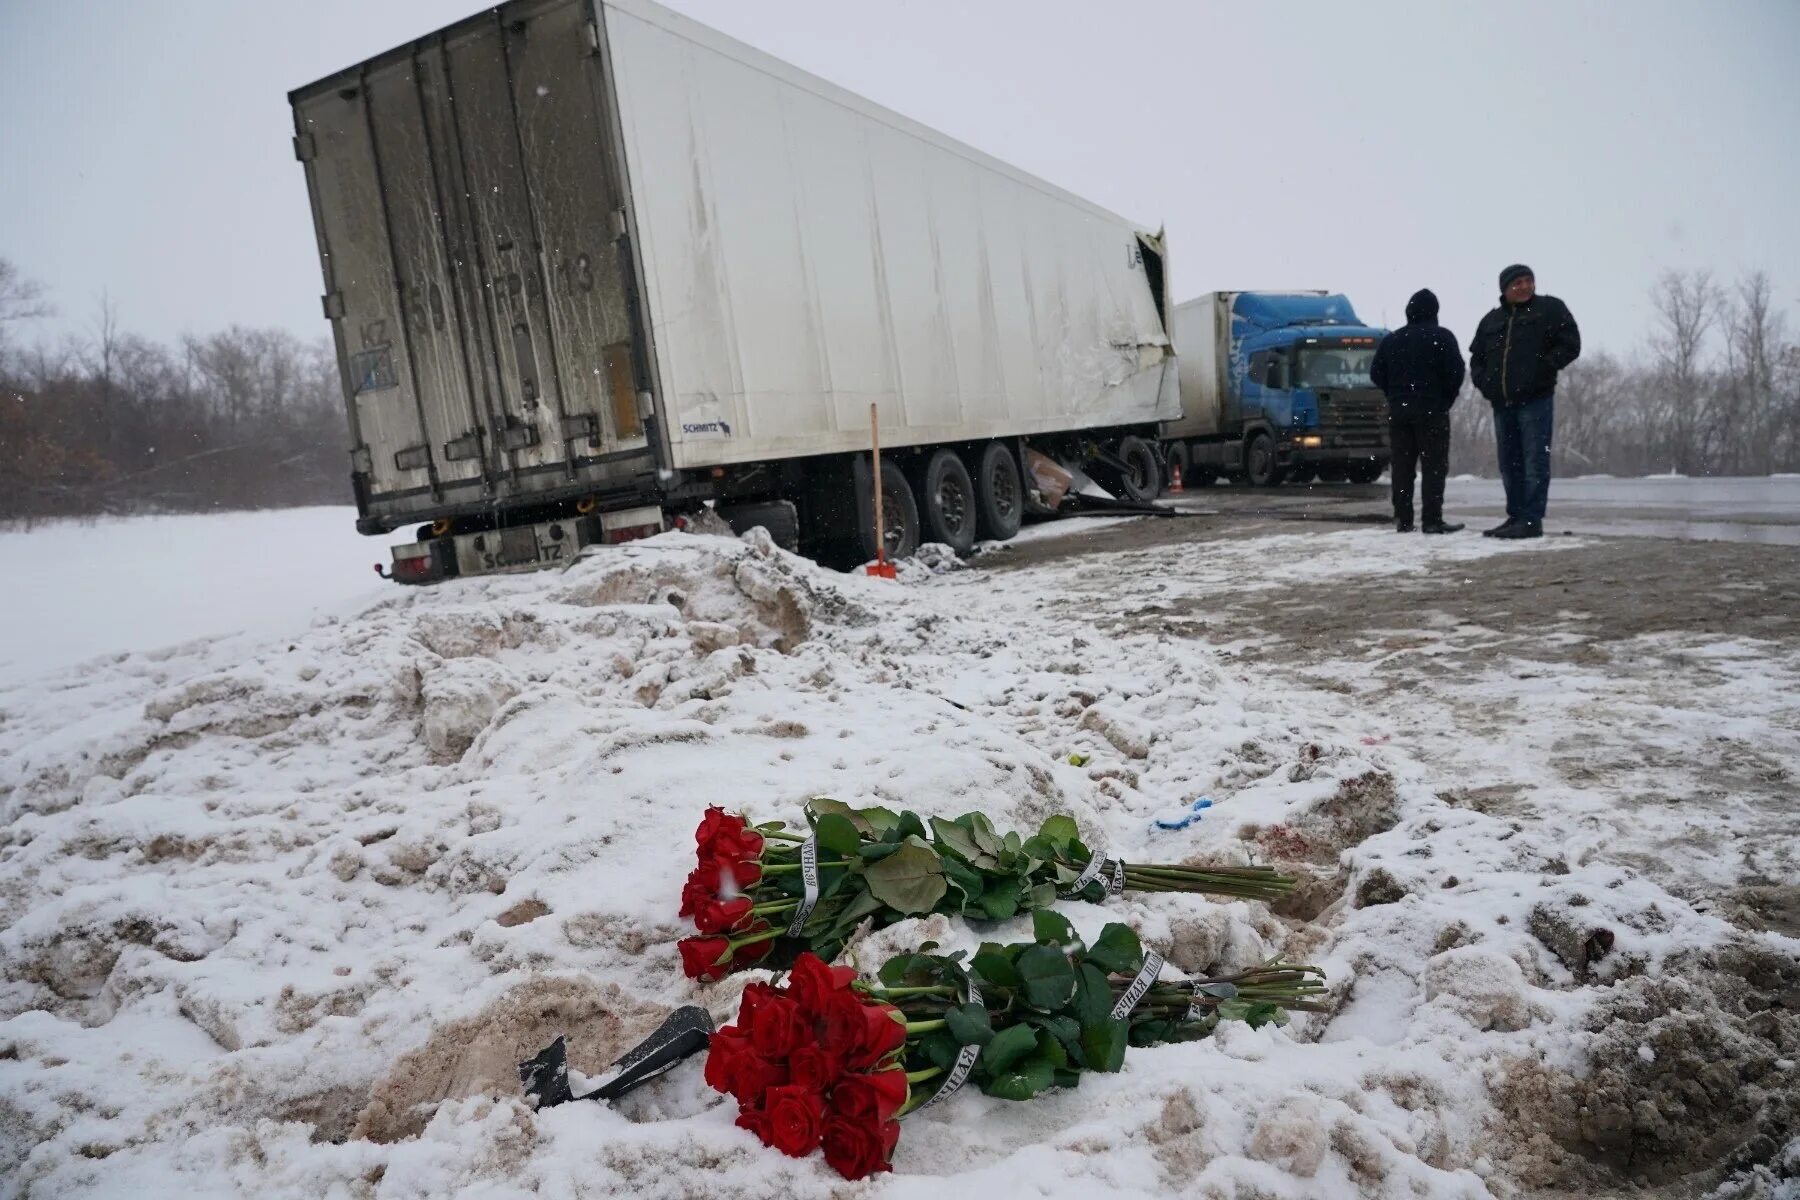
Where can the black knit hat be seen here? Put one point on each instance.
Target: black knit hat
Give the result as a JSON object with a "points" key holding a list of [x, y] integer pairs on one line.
{"points": [[1423, 306], [1513, 272]]}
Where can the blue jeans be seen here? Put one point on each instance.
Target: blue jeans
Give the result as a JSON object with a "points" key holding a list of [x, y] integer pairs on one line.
{"points": [[1522, 432]]}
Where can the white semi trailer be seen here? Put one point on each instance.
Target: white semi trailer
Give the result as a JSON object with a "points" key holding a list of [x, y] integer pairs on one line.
{"points": [[590, 265]]}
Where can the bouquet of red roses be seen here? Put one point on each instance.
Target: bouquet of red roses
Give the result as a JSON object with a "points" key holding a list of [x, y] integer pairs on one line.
{"points": [[762, 890], [826, 1061], [816, 1064]]}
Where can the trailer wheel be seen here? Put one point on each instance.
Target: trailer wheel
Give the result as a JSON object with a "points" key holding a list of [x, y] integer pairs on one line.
{"points": [[1366, 470], [999, 494], [1260, 467], [1302, 473], [900, 514], [1175, 454], [1331, 472], [1142, 478], [947, 502]]}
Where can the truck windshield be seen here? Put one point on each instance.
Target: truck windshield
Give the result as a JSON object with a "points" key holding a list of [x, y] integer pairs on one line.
{"points": [[1335, 367]]}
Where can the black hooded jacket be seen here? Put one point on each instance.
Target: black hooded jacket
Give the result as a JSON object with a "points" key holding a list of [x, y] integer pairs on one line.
{"points": [[1518, 349], [1419, 367]]}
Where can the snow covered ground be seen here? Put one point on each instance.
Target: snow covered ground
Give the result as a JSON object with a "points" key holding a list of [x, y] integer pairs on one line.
{"points": [[280, 914], [78, 589]]}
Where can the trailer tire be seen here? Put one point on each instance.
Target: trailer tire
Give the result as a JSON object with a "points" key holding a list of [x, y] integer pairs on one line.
{"points": [[1141, 479], [1175, 454], [1365, 470], [900, 513], [1331, 472], [999, 494], [947, 502], [1302, 473], [1260, 466]]}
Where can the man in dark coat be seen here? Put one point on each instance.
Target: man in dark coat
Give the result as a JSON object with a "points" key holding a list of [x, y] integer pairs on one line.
{"points": [[1420, 371], [1518, 350]]}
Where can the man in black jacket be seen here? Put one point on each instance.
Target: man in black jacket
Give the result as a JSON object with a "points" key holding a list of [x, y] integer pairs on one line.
{"points": [[1420, 370], [1518, 350]]}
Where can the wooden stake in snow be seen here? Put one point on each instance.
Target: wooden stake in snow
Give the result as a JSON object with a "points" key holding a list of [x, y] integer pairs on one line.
{"points": [[881, 566]]}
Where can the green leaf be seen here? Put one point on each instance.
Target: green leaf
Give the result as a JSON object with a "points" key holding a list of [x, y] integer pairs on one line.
{"points": [[879, 818], [838, 835], [954, 838], [1067, 1079], [1031, 1078], [1059, 831], [1266, 1013], [1103, 1045], [1000, 903], [983, 831], [969, 1024], [1007, 1047], [1151, 1033], [1042, 895], [1051, 1050], [908, 825], [876, 851], [1234, 1010], [1093, 997], [1046, 977], [820, 805], [940, 1049], [1117, 949], [993, 968], [1012, 843], [1218, 991], [1052, 929], [910, 880]]}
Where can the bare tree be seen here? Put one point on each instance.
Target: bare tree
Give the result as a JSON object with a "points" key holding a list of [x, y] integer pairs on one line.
{"points": [[1687, 306], [1755, 343]]}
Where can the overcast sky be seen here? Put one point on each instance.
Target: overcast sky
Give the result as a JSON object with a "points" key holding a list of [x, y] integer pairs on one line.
{"points": [[1371, 148]]}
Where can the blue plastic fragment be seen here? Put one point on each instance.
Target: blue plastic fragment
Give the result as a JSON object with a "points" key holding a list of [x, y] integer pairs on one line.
{"points": [[1182, 818]]}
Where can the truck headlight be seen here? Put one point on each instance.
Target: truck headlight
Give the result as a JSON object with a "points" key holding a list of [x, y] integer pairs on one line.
{"points": [[1312, 441]]}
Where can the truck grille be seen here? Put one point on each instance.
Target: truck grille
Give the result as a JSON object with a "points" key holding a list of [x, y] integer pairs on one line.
{"points": [[1353, 419]]}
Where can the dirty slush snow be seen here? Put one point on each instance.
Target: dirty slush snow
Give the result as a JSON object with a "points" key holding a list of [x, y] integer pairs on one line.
{"points": [[282, 922]]}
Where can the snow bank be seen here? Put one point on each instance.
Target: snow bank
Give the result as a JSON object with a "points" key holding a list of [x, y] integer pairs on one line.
{"points": [[280, 921]]}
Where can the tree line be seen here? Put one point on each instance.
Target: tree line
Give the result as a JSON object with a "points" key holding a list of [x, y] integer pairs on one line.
{"points": [[112, 422], [1714, 390]]}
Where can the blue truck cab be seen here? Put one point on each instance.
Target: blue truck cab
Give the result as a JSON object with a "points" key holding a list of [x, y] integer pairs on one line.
{"points": [[1275, 386]]}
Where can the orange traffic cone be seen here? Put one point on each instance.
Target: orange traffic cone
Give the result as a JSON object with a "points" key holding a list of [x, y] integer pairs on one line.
{"points": [[1174, 479]]}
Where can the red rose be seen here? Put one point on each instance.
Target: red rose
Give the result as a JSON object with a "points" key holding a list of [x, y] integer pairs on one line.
{"points": [[723, 1053], [860, 1032], [753, 997], [757, 1122], [796, 1118], [703, 957], [753, 1077], [811, 982], [733, 873], [871, 1099], [814, 1067], [722, 916], [778, 1027], [701, 888], [857, 1149], [725, 835]]}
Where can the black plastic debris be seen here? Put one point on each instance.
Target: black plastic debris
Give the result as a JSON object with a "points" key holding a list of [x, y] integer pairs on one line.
{"points": [[687, 1031]]}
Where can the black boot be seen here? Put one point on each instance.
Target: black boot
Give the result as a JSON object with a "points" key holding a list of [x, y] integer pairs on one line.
{"points": [[1403, 523], [1500, 529], [1441, 526], [1521, 529]]}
